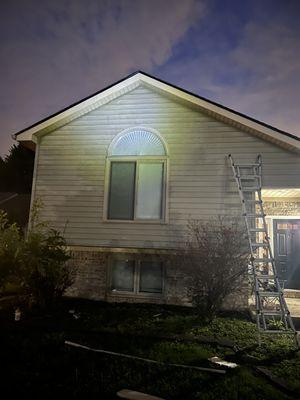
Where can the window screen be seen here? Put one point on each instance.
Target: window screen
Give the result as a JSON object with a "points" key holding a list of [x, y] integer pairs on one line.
{"points": [[150, 277], [123, 275], [149, 191], [122, 186]]}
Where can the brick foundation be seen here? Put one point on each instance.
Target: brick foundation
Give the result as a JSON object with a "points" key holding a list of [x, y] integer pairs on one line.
{"points": [[92, 273], [282, 207]]}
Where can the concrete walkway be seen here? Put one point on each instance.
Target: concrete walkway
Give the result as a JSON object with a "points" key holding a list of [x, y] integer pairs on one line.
{"points": [[294, 307]]}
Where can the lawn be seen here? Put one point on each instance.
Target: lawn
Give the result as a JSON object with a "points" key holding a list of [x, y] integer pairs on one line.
{"points": [[39, 363]]}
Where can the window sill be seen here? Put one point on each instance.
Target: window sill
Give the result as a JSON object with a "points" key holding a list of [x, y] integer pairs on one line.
{"points": [[135, 221], [135, 295]]}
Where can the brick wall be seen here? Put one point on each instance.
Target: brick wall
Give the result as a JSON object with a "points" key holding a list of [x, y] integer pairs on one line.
{"points": [[282, 207], [92, 273]]}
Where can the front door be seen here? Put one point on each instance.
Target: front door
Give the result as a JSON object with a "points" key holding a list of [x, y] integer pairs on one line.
{"points": [[287, 251]]}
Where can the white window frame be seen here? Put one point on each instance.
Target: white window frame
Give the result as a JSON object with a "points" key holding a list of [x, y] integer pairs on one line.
{"points": [[137, 159]]}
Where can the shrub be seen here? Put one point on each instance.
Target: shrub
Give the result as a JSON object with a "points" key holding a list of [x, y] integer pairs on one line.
{"points": [[36, 262], [10, 250], [215, 257], [44, 273]]}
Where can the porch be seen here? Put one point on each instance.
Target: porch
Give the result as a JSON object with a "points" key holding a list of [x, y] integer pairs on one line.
{"points": [[282, 208]]}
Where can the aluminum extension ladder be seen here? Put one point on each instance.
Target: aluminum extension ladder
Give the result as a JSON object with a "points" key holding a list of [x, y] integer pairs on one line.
{"points": [[272, 313]]}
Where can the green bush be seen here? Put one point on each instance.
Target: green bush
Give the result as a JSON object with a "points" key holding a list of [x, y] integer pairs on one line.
{"points": [[44, 273], [10, 250], [37, 262]]}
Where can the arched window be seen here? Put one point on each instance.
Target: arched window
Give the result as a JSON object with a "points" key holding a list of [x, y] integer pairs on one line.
{"points": [[137, 170], [138, 142]]}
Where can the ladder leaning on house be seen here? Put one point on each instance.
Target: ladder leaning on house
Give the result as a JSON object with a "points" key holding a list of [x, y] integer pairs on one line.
{"points": [[272, 313]]}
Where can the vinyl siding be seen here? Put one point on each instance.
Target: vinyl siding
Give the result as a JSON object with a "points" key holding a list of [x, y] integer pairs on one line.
{"points": [[70, 174]]}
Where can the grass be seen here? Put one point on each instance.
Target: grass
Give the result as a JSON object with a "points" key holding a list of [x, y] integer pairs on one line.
{"points": [[35, 356], [289, 370]]}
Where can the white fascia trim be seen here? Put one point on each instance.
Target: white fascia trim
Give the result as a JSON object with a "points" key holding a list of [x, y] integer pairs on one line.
{"points": [[224, 113], [134, 81], [80, 109]]}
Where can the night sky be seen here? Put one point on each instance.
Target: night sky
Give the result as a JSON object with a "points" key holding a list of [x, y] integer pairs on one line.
{"points": [[243, 54]]}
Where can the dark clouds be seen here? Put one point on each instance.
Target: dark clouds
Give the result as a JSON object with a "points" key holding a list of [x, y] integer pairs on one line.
{"points": [[53, 53]]}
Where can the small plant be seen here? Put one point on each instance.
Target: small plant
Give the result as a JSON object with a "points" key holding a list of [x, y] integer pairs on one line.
{"points": [[275, 324]]}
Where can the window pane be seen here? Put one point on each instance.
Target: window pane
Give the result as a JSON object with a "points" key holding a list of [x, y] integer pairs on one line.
{"points": [[149, 191], [151, 277], [137, 143], [123, 275], [121, 195]]}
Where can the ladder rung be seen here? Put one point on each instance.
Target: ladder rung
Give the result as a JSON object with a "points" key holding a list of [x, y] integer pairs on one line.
{"points": [[260, 244], [247, 165], [254, 215], [269, 294], [250, 189], [269, 313], [257, 230], [266, 277], [260, 260], [248, 177]]}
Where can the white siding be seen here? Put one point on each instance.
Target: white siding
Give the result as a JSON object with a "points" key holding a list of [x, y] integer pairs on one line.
{"points": [[71, 169]]}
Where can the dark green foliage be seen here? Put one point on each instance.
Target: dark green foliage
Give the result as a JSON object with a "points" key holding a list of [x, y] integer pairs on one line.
{"points": [[44, 274], [288, 370], [37, 261], [179, 353], [16, 170], [10, 249], [35, 356], [17, 209]]}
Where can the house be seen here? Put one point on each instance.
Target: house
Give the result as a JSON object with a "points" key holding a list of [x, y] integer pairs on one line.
{"points": [[122, 171]]}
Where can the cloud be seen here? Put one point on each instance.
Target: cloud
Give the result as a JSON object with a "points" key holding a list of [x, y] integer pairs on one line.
{"points": [[269, 56], [246, 57], [62, 51], [258, 75]]}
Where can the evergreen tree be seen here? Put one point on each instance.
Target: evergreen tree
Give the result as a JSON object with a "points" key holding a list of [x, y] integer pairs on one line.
{"points": [[16, 170]]}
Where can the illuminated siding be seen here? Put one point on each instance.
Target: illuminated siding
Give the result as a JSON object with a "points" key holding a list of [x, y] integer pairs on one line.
{"points": [[71, 168]]}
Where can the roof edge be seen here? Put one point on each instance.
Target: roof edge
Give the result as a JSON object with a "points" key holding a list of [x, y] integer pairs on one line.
{"points": [[195, 96], [222, 106], [76, 103]]}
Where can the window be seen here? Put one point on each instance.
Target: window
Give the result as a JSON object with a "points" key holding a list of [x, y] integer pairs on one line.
{"points": [[123, 275], [137, 276], [150, 279], [137, 170]]}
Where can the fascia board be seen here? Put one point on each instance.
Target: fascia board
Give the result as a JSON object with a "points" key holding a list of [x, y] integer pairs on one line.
{"points": [[134, 81], [80, 109], [226, 114]]}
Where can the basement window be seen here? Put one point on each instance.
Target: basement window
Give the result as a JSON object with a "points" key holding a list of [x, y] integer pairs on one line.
{"points": [[137, 277], [137, 171]]}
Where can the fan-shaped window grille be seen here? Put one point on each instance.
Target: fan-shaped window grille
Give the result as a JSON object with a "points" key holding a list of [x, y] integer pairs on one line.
{"points": [[138, 143]]}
